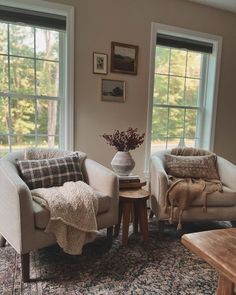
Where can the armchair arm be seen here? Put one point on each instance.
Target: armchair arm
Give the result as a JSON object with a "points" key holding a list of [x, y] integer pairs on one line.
{"points": [[227, 173], [159, 183], [16, 212], [102, 179]]}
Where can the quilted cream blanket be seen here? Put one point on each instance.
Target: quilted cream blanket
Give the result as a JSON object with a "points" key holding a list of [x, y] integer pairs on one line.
{"points": [[73, 209]]}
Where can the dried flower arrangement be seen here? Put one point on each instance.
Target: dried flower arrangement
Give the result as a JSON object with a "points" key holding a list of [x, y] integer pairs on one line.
{"points": [[124, 141]]}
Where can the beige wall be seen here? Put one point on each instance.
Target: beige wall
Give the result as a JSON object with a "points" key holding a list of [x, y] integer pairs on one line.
{"points": [[98, 22]]}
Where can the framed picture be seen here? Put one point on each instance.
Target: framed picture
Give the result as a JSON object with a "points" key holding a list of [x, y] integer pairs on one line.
{"points": [[113, 90], [99, 63], [124, 58]]}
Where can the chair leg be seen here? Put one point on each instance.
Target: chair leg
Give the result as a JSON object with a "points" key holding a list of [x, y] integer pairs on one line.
{"points": [[117, 226], [25, 267], [233, 223], [2, 241], [151, 214], [109, 235]]}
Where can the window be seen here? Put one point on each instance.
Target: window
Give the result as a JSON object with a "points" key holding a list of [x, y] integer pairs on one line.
{"points": [[178, 97], [183, 89], [33, 80]]}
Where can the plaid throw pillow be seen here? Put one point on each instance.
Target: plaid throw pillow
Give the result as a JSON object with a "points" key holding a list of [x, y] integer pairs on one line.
{"points": [[50, 172]]}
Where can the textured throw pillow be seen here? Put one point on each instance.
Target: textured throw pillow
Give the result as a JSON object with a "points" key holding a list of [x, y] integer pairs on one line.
{"points": [[192, 166], [50, 172], [35, 153]]}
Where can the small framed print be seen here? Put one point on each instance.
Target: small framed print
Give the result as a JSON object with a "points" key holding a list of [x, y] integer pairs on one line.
{"points": [[100, 63], [113, 90], [124, 58]]}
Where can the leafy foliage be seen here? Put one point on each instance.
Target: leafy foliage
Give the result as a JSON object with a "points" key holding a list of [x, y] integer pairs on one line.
{"points": [[28, 121], [177, 82]]}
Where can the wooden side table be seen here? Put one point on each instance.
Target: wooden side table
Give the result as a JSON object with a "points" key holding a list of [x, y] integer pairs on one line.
{"points": [[133, 203]]}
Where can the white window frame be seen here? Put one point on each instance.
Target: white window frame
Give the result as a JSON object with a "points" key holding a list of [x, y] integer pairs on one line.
{"points": [[211, 86], [67, 69]]}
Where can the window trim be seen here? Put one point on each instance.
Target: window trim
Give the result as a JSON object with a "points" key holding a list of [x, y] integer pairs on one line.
{"points": [[212, 84], [67, 136]]}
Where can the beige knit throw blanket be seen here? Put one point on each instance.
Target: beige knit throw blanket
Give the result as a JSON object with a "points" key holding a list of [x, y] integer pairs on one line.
{"points": [[73, 209]]}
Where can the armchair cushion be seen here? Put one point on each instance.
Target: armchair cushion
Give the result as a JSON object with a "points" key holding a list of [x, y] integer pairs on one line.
{"points": [[42, 215], [192, 166], [50, 172], [227, 198]]}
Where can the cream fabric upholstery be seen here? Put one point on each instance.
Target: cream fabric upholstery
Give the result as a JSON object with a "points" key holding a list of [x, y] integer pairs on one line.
{"points": [[42, 215], [220, 206], [19, 214]]}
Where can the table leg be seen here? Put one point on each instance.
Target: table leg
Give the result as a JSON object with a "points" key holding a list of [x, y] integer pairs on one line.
{"points": [[117, 227], [136, 213], [225, 286], [126, 220], [143, 218]]}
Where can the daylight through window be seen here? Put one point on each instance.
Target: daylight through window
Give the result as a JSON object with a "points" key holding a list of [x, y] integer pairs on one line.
{"points": [[31, 88], [178, 97]]}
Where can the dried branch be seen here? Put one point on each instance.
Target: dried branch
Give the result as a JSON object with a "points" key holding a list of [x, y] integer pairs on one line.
{"points": [[125, 140]]}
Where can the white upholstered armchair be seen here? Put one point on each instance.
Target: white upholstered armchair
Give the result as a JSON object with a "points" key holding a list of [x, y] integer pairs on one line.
{"points": [[221, 206], [22, 220]]}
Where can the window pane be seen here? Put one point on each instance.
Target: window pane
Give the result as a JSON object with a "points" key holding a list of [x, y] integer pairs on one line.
{"points": [[20, 142], [3, 73], [22, 75], [47, 78], [176, 91], [159, 123], [178, 62], [190, 123], [162, 60], [31, 61], [48, 141], [4, 115], [192, 92], [160, 89], [21, 40], [47, 117], [3, 38], [158, 145], [176, 123], [194, 64], [190, 142], [4, 145], [172, 143], [47, 44], [23, 116]]}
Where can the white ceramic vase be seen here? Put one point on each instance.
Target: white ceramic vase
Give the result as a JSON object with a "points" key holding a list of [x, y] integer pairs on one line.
{"points": [[122, 163]]}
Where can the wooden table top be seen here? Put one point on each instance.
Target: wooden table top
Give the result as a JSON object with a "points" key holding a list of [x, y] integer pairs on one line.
{"points": [[217, 247], [134, 193]]}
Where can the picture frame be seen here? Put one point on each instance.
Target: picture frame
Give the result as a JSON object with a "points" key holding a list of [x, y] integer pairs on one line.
{"points": [[100, 65], [124, 58], [113, 90]]}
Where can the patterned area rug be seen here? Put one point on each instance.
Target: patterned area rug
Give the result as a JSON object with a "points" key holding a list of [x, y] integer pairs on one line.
{"points": [[163, 266]]}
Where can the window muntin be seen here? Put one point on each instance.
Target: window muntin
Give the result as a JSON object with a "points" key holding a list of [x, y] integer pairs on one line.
{"points": [[31, 88], [178, 97]]}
